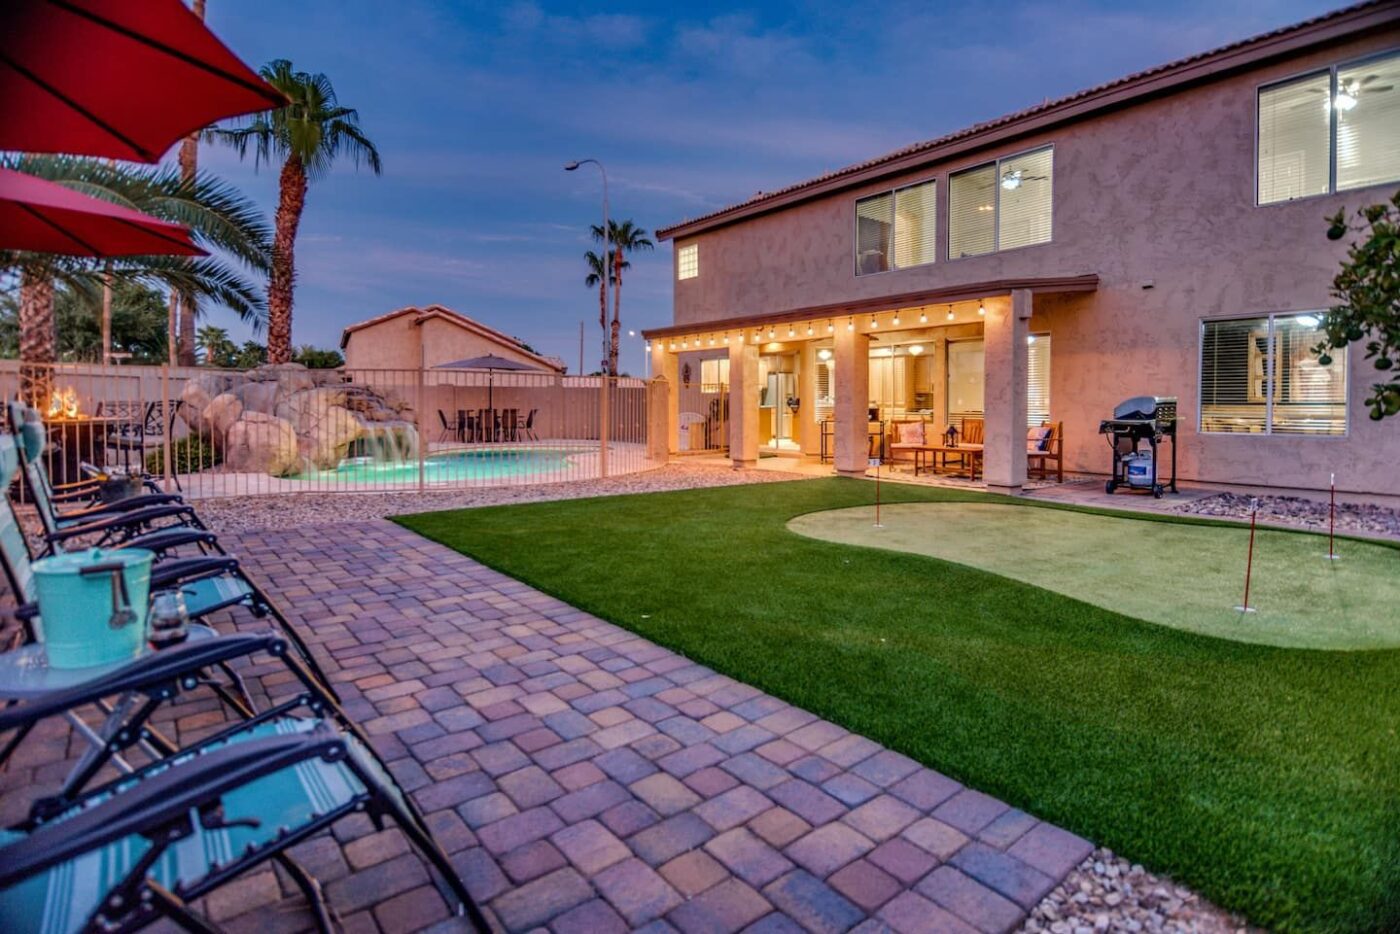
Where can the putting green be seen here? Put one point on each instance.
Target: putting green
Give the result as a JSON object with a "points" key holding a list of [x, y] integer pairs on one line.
{"points": [[1186, 576]]}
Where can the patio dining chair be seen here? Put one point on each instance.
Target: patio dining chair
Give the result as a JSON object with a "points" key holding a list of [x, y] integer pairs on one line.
{"points": [[510, 425], [529, 428], [145, 846], [447, 430]]}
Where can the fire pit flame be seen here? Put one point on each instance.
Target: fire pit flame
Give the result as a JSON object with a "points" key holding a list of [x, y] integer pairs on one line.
{"points": [[64, 403]]}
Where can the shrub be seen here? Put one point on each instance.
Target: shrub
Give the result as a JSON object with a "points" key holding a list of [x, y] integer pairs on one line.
{"points": [[191, 454]]}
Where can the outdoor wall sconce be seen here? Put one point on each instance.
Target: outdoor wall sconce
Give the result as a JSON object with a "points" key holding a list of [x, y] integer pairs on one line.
{"points": [[794, 404]]}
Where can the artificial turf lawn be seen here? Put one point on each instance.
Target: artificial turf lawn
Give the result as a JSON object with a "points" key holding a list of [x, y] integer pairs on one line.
{"points": [[1266, 778], [1187, 576]]}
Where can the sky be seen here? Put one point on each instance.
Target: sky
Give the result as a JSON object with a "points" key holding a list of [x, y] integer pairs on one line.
{"points": [[475, 107]]}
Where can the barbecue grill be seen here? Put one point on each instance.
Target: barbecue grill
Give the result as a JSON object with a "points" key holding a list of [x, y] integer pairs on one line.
{"points": [[1149, 419]]}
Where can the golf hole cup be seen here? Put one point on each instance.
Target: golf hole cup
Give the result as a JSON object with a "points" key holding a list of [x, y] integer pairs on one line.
{"points": [[92, 606]]}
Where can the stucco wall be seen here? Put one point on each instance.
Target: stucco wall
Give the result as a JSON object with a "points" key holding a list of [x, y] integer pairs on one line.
{"points": [[1162, 193]]}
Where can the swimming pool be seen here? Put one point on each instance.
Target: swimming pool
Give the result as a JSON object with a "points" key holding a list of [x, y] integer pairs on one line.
{"points": [[485, 463]]}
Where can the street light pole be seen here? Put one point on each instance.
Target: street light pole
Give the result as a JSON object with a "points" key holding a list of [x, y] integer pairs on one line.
{"points": [[603, 395]]}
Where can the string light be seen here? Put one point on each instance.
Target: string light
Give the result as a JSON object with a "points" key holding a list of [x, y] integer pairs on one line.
{"points": [[981, 309], [830, 326], [896, 319], [771, 332], [726, 337], [873, 322], [712, 340], [950, 312], [923, 317], [791, 331], [809, 330], [850, 324]]}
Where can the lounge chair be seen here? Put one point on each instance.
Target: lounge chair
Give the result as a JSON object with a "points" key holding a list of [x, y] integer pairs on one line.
{"points": [[529, 428], [447, 430], [147, 845], [209, 582]]}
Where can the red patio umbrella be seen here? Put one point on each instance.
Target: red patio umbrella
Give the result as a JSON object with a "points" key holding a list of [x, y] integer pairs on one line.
{"points": [[124, 79], [46, 217]]}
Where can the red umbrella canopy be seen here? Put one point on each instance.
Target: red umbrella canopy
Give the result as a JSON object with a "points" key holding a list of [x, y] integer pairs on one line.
{"points": [[45, 217], [124, 79]]}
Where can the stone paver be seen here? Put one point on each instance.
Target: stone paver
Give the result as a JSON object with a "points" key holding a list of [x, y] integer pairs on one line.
{"points": [[583, 779]]}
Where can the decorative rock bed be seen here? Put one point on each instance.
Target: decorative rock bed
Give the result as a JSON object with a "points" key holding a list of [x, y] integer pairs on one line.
{"points": [[1107, 893], [1363, 518]]}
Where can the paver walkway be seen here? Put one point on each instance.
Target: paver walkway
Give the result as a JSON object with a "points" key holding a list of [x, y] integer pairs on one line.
{"points": [[585, 779]]}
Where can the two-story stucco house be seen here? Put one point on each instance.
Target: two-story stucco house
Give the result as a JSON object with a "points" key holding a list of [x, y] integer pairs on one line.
{"points": [[1163, 234]]}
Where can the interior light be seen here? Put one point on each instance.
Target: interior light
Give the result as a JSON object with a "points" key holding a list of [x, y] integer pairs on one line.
{"points": [[823, 354], [981, 309], [1011, 179], [1308, 321], [1030, 338], [916, 349], [1344, 100]]}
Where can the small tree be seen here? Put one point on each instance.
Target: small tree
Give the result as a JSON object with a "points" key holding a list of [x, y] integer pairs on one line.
{"points": [[1368, 287]]}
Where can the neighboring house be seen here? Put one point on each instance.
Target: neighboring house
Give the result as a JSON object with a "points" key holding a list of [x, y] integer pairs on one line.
{"points": [[409, 338], [1163, 234]]}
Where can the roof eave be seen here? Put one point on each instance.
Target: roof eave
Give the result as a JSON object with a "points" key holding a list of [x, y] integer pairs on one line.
{"points": [[1166, 79], [1088, 282]]}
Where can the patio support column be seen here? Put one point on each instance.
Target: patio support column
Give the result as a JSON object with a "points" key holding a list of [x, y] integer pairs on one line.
{"points": [[743, 403], [808, 435], [1004, 401], [938, 378], [852, 416], [664, 364]]}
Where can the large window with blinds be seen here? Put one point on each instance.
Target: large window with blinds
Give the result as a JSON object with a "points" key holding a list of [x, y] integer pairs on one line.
{"points": [[896, 229], [1333, 130], [1038, 380], [1261, 376], [1002, 205]]}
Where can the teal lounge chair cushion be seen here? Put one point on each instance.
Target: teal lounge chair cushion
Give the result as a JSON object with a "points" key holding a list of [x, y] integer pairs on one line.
{"points": [[214, 593], [35, 437], [60, 900]]}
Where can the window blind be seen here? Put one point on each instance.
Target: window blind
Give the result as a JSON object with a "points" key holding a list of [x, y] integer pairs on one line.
{"points": [[874, 222], [915, 221], [966, 375], [1038, 380], [1024, 211], [1294, 130], [1309, 398], [688, 261], [1368, 123], [1260, 375], [972, 212]]}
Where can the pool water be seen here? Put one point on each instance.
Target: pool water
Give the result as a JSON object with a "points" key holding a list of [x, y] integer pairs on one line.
{"points": [[455, 466]]}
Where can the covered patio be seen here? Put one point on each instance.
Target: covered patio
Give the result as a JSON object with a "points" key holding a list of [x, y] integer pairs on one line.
{"points": [[839, 382]]}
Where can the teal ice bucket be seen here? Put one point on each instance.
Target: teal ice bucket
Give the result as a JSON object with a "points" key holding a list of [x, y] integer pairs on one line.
{"points": [[92, 605]]}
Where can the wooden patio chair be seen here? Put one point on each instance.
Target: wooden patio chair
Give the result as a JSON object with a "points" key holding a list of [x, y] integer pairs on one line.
{"points": [[1038, 461]]}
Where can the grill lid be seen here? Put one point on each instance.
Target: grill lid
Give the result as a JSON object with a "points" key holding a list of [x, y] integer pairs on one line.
{"points": [[1138, 407]]}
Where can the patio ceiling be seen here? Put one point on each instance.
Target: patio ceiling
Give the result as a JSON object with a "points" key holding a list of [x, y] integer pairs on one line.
{"points": [[906, 301]]}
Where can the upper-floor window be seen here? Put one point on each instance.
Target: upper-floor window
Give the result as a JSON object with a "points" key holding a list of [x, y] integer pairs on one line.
{"points": [[1261, 376], [1001, 205], [1330, 131], [895, 230], [688, 261]]}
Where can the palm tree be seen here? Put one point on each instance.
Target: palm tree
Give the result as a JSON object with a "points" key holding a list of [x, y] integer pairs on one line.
{"points": [[595, 278], [219, 216], [189, 166], [626, 237], [307, 135], [217, 346]]}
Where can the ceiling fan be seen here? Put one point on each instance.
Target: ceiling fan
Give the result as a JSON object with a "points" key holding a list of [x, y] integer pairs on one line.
{"points": [[1011, 179], [1350, 93]]}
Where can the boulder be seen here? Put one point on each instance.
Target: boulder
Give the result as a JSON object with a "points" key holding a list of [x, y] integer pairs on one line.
{"points": [[260, 443], [219, 416], [199, 391], [289, 377], [326, 442]]}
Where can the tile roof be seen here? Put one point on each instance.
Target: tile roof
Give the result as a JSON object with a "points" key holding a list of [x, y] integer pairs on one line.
{"points": [[456, 317], [743, 208]]}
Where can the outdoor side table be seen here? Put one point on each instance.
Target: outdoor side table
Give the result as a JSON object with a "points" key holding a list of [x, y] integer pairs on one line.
{"points": [[25, 674]]}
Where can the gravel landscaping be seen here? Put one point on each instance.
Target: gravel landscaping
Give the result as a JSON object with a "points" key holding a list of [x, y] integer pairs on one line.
{"points": [[290, 510], [1360, 518], [1108, 893]]}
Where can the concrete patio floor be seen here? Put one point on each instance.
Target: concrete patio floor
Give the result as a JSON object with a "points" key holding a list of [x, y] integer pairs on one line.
{"points": [[584, 779]]}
